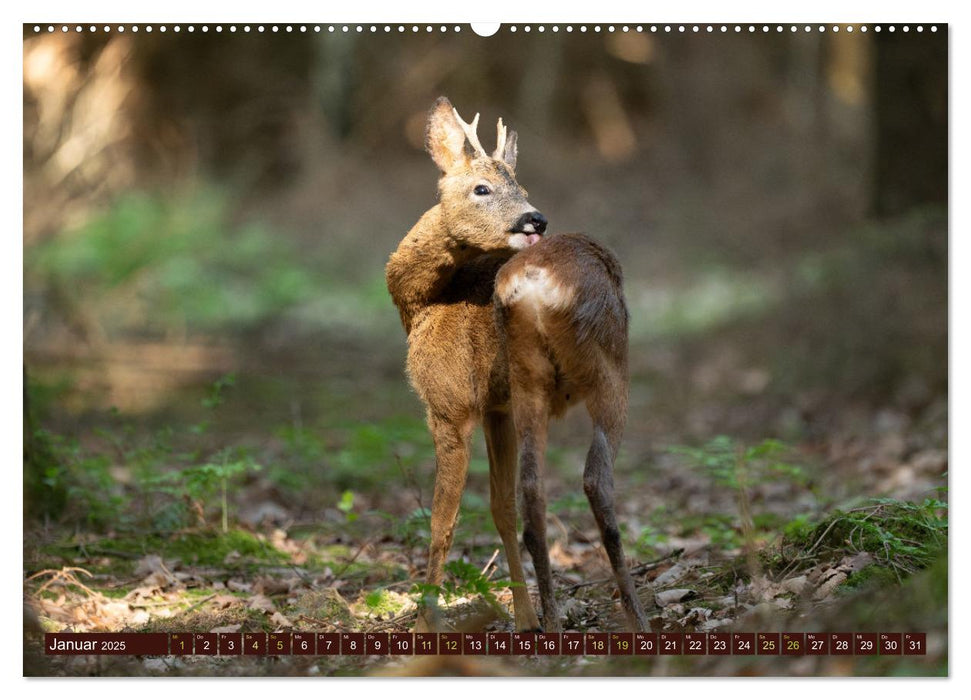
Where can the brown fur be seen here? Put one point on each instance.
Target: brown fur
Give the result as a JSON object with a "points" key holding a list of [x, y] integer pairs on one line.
{"points": [[509, 339]]}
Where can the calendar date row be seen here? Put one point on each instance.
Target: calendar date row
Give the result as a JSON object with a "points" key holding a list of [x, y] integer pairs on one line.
{"points": [[491, 643]]}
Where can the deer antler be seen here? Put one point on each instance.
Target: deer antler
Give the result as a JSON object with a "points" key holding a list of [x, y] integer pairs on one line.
{"points": [[470, 134], [500, 140]]}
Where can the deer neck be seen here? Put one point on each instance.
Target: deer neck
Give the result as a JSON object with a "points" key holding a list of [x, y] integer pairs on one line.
{"points": [[424, 264]]}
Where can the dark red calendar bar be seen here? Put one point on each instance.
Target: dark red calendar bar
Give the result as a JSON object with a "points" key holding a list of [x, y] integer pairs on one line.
{"points": [[597, 643], [500, 643], [254, 643], [719, 643], [230, 644], [571, 643], [523, 643], [206, 643], [891, 644], [670, 643], [915, 643], [695, 643], [402, 643], [474, 643], [817, 643], [180, 643], [426, 643], [491, 643], [304, 643], [767, 643], [865, 644], [377, 643], [621, 644], [793, 644], [548, 643], [280, 644], [328, 643], [129, 643], [645, 643], [352, 644]]}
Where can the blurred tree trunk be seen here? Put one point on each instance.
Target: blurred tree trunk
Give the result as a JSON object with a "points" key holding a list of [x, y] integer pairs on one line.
{"points": [[541, 77], [911, 121], [335, 82]]}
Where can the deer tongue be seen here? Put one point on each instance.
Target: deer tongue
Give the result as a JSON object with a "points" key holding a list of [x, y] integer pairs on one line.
{"points": [[533, 238]]}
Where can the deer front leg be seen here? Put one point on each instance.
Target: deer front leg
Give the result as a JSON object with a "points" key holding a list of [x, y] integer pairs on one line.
{"points": [[451, 468]]}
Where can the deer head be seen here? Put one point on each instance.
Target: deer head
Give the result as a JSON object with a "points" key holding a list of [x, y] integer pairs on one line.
{"points": [[483, 204]]}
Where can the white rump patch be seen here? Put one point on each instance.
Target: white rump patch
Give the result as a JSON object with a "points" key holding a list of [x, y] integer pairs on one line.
{"points": [[536, 287]]}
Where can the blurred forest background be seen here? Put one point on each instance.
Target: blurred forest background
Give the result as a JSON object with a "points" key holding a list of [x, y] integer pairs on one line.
{"points": [[214, 369]]}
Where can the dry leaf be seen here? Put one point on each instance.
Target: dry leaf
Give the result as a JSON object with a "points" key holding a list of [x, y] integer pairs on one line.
{"points": [[829, 584], [674, 595], [149, 564], [671, 575], [260, 602], [232, 557], [279, 621]]}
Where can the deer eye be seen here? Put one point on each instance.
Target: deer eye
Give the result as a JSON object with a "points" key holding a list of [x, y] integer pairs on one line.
{"points": [[482, 190]]}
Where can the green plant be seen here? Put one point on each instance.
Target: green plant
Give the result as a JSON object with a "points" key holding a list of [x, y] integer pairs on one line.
{"points": [[200, 482], [732, 464], [466, 581], [67, 480], [346, 506], [160, 262], [903, 536], [648, 542]]}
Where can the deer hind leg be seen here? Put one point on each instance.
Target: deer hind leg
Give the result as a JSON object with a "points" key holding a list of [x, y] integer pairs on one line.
{"points": [[531, 386], [451, 467], [608, 409], [500, 437]]}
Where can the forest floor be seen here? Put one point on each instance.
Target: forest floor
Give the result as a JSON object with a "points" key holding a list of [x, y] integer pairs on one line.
{"points": [[784, 469]]}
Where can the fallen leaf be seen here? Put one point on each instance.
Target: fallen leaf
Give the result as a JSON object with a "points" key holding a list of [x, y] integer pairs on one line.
{"points": [[794, 585], [228, 629], [856, 562], [150, 564], [674, 595], [270, 586], [232, 557], [279, 621], [671, 575], [260, 602], [829, 584], [223, 601]]}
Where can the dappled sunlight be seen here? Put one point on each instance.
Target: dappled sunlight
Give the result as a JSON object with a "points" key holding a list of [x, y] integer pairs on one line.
{"points": [[705, 302]]}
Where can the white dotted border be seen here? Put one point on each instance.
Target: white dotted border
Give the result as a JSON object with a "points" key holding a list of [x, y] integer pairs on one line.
{"points": [[428, 28]]}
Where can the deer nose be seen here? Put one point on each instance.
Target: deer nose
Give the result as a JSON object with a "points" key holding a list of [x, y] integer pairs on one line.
{"points": [[531, 222]]}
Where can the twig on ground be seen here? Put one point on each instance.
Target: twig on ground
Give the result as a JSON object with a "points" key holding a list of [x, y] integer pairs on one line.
{"points": [[199, 603], [410, 481], [639, 569], [489, 563], [340, 572]]}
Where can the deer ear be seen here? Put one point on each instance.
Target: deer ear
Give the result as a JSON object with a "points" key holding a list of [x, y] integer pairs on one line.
{"points": [[444, 137], [510, 151]]}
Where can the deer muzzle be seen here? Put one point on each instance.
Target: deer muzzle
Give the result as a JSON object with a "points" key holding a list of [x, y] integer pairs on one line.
{"points": [[532, 225]]}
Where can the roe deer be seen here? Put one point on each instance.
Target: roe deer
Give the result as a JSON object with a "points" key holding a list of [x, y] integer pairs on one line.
{"points": [[509, 328]]}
